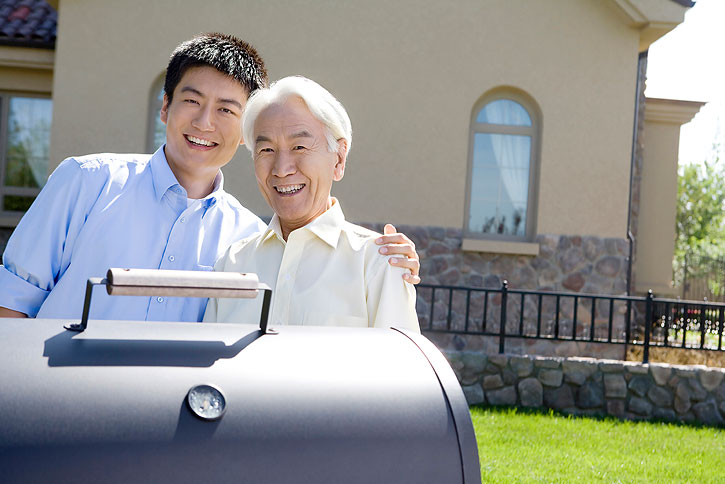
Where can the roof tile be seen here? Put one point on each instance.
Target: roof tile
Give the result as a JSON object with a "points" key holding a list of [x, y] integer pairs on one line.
{"points": [[28, 23]]}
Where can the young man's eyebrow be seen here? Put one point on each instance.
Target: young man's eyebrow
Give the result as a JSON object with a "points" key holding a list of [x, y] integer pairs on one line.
{"points": [[193, 90]]}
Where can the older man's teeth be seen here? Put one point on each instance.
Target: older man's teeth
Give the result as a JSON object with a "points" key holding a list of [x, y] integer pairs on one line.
{"points": [[287, 189], [199, 141]]}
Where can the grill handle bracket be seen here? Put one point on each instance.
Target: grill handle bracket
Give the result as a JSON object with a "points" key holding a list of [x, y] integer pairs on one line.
{"points": [[157, 282]]}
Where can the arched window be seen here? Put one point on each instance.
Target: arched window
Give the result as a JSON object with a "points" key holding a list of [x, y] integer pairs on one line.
{"points": [[502, 168], [157, 130]]}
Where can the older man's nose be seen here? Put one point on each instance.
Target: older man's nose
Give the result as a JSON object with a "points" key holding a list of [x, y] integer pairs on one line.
{"points": [[284, 165]]}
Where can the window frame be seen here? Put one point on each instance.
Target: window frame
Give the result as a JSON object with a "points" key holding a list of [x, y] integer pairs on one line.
{"points": [[12, 216], [154, 112], [534, 132]]}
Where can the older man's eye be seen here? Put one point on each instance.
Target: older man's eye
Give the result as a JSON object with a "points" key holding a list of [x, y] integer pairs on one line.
{"points": [[299, 147]]}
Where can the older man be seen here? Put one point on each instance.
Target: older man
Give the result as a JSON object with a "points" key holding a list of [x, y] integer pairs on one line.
{"points": [[324, 271]]}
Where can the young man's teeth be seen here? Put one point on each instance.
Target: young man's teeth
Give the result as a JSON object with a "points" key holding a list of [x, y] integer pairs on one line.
{"points": [[199, 141], [289, 188]]}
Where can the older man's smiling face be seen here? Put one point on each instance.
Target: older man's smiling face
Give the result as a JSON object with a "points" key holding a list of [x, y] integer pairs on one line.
{"points": [[292, 163]]}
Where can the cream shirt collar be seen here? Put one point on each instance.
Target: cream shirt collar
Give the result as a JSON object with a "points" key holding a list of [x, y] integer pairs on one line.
{"points": [[327, 227]]}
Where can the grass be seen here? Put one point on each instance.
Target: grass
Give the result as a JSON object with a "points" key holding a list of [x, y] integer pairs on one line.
{"points": [[519, 446]]}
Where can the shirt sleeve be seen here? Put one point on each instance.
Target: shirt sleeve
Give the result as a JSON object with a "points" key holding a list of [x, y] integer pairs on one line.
{"points": [[39, 250], [390, 300]]}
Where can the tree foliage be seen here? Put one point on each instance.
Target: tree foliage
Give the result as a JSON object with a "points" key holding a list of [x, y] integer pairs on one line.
{"points": [[700, 221]]}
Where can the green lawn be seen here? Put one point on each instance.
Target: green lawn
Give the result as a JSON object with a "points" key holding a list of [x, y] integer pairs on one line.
{"points": [[527, 447]]}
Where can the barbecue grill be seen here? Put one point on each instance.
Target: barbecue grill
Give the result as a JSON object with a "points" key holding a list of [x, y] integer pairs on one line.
{"points": [[126, 401]]}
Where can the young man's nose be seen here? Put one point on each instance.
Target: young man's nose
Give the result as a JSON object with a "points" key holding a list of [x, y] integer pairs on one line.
{"points": [[203, 120]]}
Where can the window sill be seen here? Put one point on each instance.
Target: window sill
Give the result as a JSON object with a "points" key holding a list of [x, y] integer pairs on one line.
{"points": [[500, 247]]}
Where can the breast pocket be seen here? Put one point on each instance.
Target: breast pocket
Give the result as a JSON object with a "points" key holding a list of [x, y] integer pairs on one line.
{"points": [[319, 318]]}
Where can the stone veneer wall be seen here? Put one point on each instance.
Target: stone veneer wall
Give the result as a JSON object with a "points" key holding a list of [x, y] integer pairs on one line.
{"points": [[587, 386], [572, 263]]}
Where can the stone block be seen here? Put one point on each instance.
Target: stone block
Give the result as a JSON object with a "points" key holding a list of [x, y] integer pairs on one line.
{"points": [[499, 360], [492, 382], [615, 386], [474, 361], [551, 378], [661, 374], [698, 393], [608, 266], [640, 406], [616, 408], [720, 393], [685, 372], [666, 414], [611, 367], [468, 378], [491, 369], [550, 363], [707, 413], [682, 405], [577, 371], [504, 396], [473, 393], [559, 398], [710, 380], [639, 385], [660, 396], [637, 368], [521, 366], [590, 395], [531, 393], [509, 377]]}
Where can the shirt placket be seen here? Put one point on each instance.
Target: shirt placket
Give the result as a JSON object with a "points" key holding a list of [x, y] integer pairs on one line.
{"points": [[284, 290], [178, 237]]}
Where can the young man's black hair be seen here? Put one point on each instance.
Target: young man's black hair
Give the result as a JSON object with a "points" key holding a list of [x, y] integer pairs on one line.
{"points": [[226, 53]]}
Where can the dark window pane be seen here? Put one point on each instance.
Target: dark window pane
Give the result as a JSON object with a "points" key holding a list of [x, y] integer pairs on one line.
{"points": [[14, 203], [28, 138], [159, 126]]}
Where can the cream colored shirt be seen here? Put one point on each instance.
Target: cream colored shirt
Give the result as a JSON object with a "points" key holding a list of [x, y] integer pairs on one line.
{"points": [[328, 273]]}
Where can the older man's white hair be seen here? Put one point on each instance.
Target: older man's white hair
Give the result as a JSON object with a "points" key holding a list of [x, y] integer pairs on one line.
{"points": [[319, 101]]}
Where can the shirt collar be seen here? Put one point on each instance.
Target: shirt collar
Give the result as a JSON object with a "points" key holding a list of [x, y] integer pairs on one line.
{"points": [[327, 227], [164, 179]]}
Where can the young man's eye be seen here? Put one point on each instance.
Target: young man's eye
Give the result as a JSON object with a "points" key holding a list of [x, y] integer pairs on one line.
{"points": [[191, 101], [226, 110]]}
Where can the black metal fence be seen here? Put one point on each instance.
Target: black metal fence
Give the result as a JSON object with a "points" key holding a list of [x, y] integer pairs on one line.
{"points": [[561, 316]]}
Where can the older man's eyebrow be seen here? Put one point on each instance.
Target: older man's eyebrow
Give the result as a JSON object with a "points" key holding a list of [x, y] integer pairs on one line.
{"points": [[262, 139], [302, 134], [193, 90]]}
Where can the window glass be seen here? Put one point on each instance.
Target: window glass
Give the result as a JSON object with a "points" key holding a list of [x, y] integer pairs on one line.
{"points": [[28, 141], [499, 184], [504, 111]]}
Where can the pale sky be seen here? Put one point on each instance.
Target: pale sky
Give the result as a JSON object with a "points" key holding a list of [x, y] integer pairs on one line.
{"points": [[689, 64]]}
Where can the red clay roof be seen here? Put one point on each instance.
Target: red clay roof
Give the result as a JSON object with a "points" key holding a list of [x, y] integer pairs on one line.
{"points": [[27, 23]]}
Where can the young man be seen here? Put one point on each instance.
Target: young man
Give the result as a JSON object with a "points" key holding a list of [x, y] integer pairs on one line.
{"points": [[167, 210]]}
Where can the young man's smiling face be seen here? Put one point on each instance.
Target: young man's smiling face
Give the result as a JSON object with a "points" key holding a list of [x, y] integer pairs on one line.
{"points": [[203, 124], [293, 165]]}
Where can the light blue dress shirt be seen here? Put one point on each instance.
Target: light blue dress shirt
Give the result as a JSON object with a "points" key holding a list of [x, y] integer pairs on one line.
{"points": [[116, 210]]}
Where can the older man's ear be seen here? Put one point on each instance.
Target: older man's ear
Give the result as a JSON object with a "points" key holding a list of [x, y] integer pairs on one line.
{"points": [[341, 159]]}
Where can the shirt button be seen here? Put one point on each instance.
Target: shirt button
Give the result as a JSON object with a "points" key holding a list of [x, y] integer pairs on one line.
{"points": [[171, 258], [160, 299], [183, 220]]}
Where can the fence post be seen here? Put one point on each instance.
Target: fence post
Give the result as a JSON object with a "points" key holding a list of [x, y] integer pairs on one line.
{"points": [[647, 325], [502, 331]]}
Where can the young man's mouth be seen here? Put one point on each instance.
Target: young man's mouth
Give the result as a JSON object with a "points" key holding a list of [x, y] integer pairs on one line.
{"points": [[285, 190], [202, 143]]}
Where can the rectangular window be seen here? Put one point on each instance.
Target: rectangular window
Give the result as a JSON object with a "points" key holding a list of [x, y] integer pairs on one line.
{"points": [[24, 144]]}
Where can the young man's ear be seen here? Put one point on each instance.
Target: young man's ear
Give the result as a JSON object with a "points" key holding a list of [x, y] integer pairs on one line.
{"points": [[341, 159], [164, 114]]}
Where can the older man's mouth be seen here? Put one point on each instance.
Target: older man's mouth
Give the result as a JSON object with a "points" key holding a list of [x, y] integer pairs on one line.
{"points": [[200, 142], [289, 189]]}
